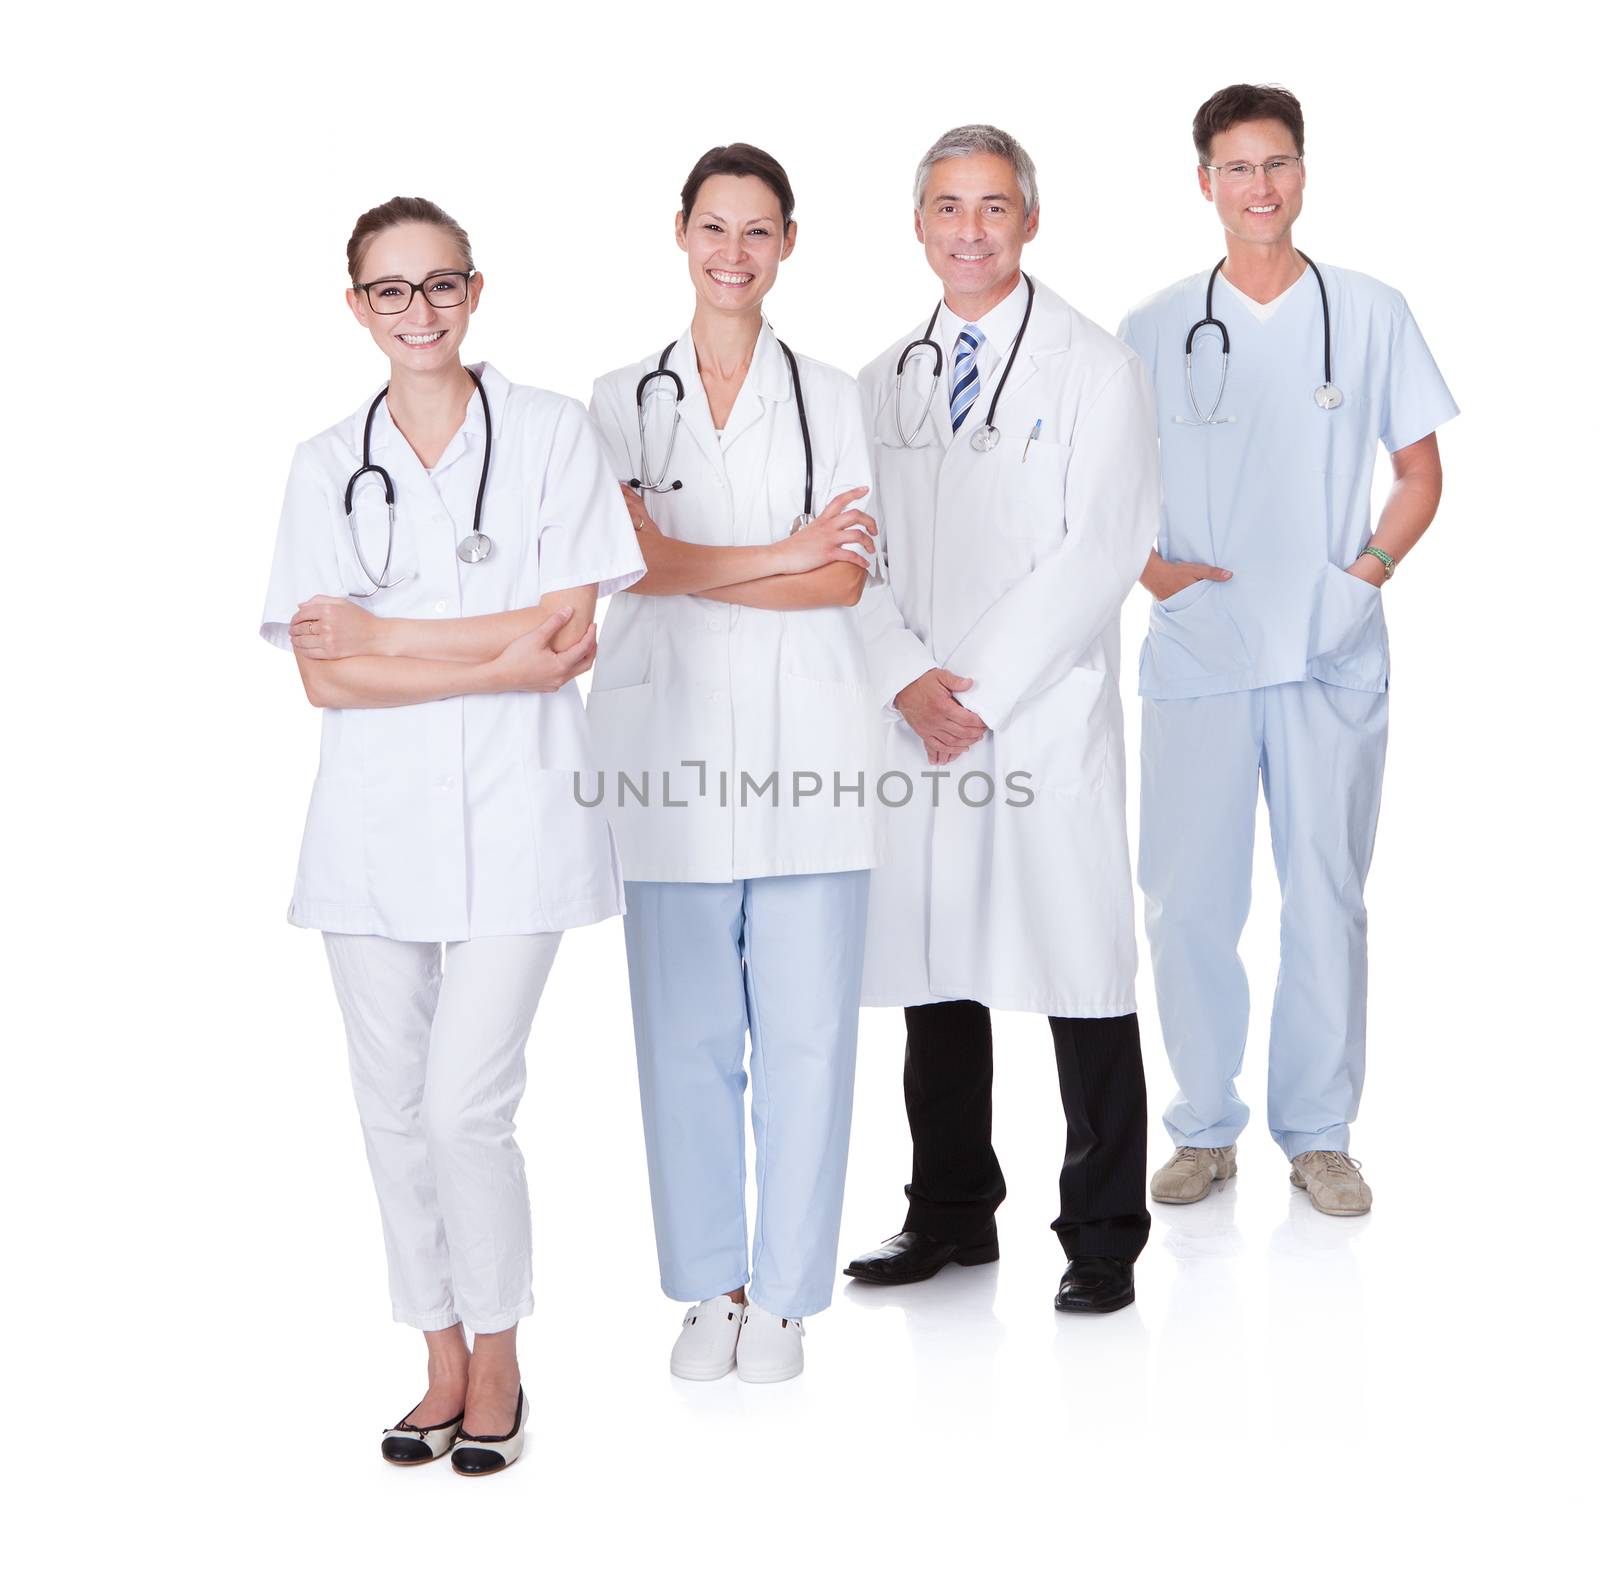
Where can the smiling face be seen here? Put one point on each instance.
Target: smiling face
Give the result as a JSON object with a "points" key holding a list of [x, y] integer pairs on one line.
{"points": [[734, 239], [1262, 209], [426, 335], [973, 226]]}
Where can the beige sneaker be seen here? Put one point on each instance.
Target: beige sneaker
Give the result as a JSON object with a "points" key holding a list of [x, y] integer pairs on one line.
{"points": [[1187, 1177], [1332, 1182]]}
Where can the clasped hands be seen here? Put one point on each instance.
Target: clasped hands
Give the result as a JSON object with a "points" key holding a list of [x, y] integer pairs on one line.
{"points": [[945, 727]]}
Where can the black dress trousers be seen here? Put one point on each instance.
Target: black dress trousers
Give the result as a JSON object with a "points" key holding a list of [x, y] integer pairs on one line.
{"points": [[956, 1183]]}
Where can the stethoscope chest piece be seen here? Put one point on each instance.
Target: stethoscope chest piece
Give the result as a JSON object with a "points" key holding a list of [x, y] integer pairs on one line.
{"points": [[1326, 396], [475, 547], [800, 522], [985, 438]]}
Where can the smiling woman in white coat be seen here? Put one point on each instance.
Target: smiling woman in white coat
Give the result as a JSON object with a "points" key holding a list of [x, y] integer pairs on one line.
{"points": [[731, 715], [439, 557]]}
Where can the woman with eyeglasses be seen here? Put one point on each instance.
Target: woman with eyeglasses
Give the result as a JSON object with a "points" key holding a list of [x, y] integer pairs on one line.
{"points": [[438, 561], [739, 744]]}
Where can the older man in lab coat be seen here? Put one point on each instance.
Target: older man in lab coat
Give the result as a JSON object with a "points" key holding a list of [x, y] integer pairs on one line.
{"points": [[1015, 449]]}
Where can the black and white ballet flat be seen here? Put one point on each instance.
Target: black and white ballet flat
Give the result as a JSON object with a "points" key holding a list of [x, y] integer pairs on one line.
{"points": [[475, 1455], [407, 1444]]}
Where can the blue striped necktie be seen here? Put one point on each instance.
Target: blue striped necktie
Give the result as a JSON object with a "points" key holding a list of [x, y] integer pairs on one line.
{"points": [[964, 389]]}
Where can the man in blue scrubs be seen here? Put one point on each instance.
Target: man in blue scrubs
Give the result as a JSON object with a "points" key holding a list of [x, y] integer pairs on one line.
{"points": [[1267, 656]]}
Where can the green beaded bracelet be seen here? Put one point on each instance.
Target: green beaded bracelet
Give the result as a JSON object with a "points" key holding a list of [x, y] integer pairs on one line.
{"points": [[1384, 557]]}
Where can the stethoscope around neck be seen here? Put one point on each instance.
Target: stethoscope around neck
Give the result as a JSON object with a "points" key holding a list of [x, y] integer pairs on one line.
{"points": [[1327, 396], [475, 547], [986, 437], [658, 483]]}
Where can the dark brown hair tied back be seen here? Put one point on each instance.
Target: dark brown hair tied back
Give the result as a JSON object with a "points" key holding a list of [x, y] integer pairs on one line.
{"points": [[398, 210], [740, 158]]}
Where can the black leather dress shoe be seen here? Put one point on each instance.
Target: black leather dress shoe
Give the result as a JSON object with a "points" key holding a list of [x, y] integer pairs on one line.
{"points": [[910, 1256], [1095, 1285]]}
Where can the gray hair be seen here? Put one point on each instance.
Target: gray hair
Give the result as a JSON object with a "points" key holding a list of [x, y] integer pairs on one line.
{"points": [[963, 142]]}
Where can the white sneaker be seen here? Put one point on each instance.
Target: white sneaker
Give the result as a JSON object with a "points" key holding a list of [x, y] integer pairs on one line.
{"points": [[769, 1348], [705, 1345]]}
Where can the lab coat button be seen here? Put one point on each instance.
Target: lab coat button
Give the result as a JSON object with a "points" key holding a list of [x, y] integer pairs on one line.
{"points": [[713, 624], [438, 607]]}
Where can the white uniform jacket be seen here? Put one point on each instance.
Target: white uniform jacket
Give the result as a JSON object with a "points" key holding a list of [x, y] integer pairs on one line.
{"points": [[1011, 567], [457, 818], [748, 738]]}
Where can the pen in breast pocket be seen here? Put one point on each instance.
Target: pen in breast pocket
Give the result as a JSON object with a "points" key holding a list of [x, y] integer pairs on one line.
{"points": [[1033, 436]]}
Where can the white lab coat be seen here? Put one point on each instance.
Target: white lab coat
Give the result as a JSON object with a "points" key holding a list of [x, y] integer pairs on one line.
{"points": [[1012, 571], [690, 695], [455, 819]]}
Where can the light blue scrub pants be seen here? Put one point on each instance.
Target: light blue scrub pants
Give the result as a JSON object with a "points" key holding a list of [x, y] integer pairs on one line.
{"points": [[780, 957], [1319, 752]]}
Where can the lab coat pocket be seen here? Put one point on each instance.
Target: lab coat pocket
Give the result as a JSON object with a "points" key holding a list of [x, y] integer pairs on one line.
{"points": [[830, 729], [1061, 738], [331, 885], [823, 644], [1349, 641], [1034, 489], [626, 644], [576, 869], [623, 730]]}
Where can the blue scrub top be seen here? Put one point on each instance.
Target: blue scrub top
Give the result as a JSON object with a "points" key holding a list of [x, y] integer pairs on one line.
{"points": [[1281, 494]]}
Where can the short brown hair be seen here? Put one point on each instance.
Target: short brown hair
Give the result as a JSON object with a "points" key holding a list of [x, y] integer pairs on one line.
{"points": [[740, 158], [1241, 102], [398, 210]]}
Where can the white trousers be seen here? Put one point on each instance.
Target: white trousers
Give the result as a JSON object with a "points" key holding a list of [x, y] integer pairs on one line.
{"points": [[437, 1061]]}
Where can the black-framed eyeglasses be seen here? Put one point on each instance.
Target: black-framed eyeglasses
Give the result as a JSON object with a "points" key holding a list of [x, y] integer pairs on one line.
{"points": [[1239, 171], [392, 296]]}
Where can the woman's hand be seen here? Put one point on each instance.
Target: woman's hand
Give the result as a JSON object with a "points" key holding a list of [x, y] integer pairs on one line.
{"points": [[824, 539], [641, 519], [329, 628], [529, 664]]}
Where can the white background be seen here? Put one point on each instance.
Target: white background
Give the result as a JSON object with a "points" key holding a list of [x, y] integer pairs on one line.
{"points": [[201, 1357]]}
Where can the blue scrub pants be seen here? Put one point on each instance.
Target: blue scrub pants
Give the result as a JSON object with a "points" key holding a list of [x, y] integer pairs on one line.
{"points": [[780, 957], [1318, 750]]}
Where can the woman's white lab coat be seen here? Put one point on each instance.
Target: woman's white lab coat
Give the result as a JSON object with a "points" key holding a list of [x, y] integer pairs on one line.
{"points": [[1012, 570], [752, 732], [448, 820]]}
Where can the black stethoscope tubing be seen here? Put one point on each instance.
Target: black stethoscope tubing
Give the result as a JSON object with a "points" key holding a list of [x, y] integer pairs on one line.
{"points": [[677, 390], [1211, 320], [1011, 359], [928, 341], [474, 550]]}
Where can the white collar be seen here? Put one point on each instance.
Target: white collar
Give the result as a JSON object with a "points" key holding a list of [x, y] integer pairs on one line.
{"points": [[469, 434], [999, 325]]}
